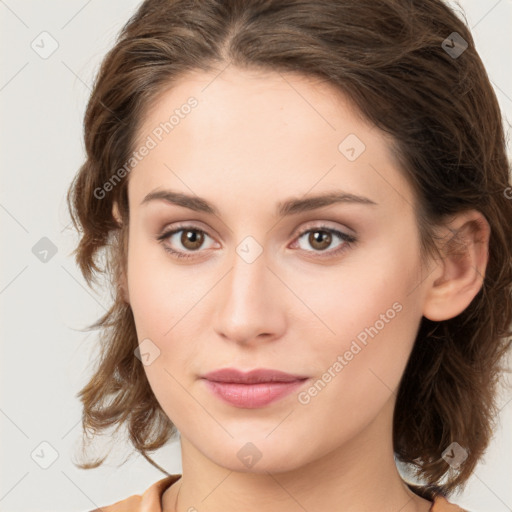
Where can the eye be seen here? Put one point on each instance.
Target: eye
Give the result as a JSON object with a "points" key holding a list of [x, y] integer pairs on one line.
{"points": [[321, 237], [191, 239]]}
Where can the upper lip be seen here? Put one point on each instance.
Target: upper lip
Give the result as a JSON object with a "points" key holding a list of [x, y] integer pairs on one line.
{"points": [[251, 377]]}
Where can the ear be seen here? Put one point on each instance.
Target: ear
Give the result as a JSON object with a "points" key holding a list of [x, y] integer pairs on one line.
{"points": [[123, 282], [459, 275], [115, 213]]}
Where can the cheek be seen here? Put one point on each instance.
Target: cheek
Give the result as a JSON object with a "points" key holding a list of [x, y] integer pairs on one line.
{"points": [[159, 294], [165, 300], [355, 296], [373, 319]]}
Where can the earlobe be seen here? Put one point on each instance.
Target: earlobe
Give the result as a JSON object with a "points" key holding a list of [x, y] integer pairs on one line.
{"points": [[123, 288], [115, 213], [461, 269]]}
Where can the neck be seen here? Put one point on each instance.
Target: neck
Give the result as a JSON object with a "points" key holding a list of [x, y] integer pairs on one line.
{"points": [[361, 474]]}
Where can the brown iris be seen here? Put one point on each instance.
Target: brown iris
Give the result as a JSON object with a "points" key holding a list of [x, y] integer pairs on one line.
{"points": [[193, 237], [324, 238]]}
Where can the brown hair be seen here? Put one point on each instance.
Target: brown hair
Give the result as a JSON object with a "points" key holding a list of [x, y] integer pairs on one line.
{"points": [[389, 59]]}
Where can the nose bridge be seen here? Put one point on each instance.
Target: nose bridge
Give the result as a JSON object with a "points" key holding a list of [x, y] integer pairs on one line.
{"points": [[248, 280], [247, 306]]}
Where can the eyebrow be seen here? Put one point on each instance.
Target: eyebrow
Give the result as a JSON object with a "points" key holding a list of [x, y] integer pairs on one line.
{"points": [[289, 207]]}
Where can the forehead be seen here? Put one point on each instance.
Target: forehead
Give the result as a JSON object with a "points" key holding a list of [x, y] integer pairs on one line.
{"points": [[260, 134]]}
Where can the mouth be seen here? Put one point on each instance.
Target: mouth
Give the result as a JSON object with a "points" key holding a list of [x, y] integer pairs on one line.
{"points": [[253, 389], [259, 375]]}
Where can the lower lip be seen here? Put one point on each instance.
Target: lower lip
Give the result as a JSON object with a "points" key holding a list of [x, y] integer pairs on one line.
{"points": [[252, 396]]}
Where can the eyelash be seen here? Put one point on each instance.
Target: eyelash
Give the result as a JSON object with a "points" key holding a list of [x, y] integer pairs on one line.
{"points": [[347, 239]]}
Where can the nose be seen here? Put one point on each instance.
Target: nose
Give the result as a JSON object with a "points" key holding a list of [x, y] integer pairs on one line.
{"points": [[250, 302]]}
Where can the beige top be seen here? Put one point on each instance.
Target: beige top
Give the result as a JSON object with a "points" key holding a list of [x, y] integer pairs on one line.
{"points": [[151, 500]]}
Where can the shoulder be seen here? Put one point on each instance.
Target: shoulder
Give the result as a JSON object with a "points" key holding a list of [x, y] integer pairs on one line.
{"points": [[131, 504], [436, 495], [149, 501], [441, 504]]}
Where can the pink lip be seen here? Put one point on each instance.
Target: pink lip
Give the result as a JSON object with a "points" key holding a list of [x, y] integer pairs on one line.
{"points": [[253, 389]]}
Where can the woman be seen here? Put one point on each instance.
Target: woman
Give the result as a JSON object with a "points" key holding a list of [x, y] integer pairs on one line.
{"points": [[303, 209]]}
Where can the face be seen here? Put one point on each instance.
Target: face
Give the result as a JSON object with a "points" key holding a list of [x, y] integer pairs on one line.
{"points": [[332, 293]]}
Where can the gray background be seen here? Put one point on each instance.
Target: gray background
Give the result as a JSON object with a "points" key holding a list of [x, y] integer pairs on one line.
{"points": [[45, 357]]}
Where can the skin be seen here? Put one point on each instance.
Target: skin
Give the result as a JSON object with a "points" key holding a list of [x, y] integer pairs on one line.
{"points": [[254, 140]]}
